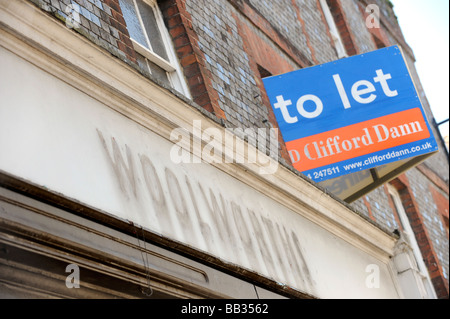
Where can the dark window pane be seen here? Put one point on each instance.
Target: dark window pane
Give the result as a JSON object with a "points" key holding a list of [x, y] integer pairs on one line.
{"points": [[151, 27], [132, 20]]}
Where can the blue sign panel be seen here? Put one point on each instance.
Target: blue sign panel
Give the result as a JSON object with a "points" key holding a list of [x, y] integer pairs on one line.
{"points": [[350, 115]]}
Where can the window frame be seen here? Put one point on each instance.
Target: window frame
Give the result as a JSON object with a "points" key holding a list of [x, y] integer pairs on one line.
{"points": [[411, 240], [335, 35], [172, 66]]}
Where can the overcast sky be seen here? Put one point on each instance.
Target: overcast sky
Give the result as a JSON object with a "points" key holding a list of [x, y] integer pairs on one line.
{"points": [[425, 25]]}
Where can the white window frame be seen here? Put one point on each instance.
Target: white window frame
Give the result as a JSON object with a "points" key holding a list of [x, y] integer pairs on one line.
{"points": [[172, 67], [338, 43], [411, 239]]}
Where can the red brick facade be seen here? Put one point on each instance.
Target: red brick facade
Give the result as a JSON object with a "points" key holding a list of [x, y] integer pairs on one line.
{"points": [[422, 236], [343, 27], [379, 36], [192, 59], [117, 21], [261, 55]]}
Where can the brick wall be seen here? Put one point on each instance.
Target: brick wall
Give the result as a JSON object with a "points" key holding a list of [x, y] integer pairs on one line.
{"points": [[229, 71], [344, 27], [192, 58], [316, 30], [285, 17], [100, 21], [426, 223], [357, 26]]}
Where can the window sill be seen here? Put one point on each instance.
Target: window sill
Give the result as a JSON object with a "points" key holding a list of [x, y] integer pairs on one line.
{"points": [[153, 57]]}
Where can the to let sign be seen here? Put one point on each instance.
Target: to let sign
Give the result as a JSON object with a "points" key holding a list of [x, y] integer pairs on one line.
{"points": [[350, 115]]}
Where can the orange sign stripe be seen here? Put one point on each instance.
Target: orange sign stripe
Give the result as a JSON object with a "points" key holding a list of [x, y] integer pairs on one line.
{"points": [[359, 139]]}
